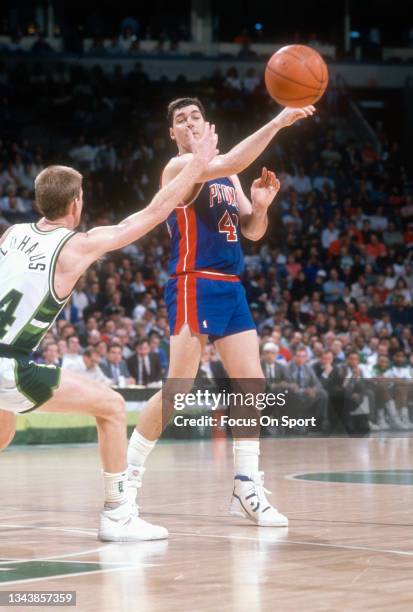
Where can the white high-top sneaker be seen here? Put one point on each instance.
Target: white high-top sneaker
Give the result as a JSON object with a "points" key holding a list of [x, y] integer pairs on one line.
{"points": [[249, 501], [122, 524], [134, 483]]}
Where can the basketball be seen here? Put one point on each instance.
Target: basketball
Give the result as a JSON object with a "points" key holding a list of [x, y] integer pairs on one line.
{"points": [[296, 75]]}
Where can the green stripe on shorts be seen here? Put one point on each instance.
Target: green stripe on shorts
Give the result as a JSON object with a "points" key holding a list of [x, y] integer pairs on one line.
{"points": [[35, 381]]}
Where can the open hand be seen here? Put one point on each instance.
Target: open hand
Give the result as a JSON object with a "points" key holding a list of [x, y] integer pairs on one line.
{"points": [[205, 148], [264, 189], [288, 116]]}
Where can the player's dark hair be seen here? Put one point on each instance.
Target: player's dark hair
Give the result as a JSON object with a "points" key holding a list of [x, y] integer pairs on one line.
{"points": [[181, 103]]}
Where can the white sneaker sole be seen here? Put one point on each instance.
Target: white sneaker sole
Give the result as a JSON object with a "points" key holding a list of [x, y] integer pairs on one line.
{"points": [[110, 537], [236, 509]]}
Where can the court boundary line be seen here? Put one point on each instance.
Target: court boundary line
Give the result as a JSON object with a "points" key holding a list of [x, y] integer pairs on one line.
{"points": [[294, 477], [300, 542], [251, 539]]}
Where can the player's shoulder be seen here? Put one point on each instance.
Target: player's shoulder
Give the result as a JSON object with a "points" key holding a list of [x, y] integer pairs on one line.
{"points": [[174, 166]]}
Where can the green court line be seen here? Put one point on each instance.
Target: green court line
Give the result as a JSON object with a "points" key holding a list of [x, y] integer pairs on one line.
{"points": [[393, 477], [14, 572]]}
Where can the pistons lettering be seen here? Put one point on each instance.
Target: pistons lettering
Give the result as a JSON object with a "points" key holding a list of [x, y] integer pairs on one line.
{"points": [[219, 193]]}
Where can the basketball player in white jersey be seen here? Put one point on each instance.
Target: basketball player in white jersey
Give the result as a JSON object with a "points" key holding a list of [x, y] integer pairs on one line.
{"points": [[40, 263]]}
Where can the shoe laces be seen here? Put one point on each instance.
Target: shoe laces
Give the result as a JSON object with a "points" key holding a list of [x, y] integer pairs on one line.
{"points": [[259, 485]]}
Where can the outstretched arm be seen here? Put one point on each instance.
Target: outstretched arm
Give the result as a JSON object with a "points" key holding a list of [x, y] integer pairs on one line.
{"points": [[244, 153], [253, 214], [99, 240]]}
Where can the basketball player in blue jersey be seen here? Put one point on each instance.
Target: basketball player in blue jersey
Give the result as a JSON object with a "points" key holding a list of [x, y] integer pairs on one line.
{"points": [[204, 295]]}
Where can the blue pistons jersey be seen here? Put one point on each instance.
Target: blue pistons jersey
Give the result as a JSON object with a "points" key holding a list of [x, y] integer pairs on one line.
{"points": [[204, 290], [205, 233]]}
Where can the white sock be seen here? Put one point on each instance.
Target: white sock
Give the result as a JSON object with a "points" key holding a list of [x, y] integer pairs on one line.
{"points": [[246, 455], [115, 488], [138, 449]]}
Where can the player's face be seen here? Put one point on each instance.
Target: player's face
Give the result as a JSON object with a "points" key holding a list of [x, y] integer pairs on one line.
{"points": [[185, 120]]}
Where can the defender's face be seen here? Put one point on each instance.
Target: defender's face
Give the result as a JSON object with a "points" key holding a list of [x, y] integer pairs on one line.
{"points": [[185, 120]]}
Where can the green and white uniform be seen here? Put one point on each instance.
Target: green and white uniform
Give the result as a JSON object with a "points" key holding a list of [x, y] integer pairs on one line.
{"points": [[28, 308]]}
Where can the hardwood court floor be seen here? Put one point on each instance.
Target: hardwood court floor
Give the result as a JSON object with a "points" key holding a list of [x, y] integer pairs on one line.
{"points": [[349, 545]]}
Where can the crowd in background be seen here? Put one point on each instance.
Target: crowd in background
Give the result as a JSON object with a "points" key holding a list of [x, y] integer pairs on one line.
{"points": [[330, 287]]}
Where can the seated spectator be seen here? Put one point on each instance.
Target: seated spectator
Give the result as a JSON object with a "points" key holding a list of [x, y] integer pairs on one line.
{"points": [[329, 234], [331, 379], [273, 368], [378, 221], [375, 248], [145, 366], [50, 354], [362, 314], [233, 80], [89, 365], [157, 349], [401, 371], [211, 373], [322, 179], [392, 236], [333, 288], [384, 394], [251, 80], [359, 399], [301, 182], [72, 355], [309, 398], [115, 368], [122, 338]]}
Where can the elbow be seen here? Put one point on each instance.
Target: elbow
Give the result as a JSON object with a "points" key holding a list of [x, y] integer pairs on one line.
{"points": [[250, 235]]}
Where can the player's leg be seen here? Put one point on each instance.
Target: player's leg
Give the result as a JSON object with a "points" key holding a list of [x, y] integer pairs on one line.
{"points": [[185, 354], [80, 395], [241, 359], [7, 428]]}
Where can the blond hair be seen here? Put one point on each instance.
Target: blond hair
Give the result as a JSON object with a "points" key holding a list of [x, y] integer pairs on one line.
{"points": [[55, 187]]}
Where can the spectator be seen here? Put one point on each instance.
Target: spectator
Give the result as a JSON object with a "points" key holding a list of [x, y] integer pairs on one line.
{"points": [[333, 288], [72, 357], [309, 396], [89, 365], [329, 234], [115, 368], [211, 372], [50, 354], [145, 366]]}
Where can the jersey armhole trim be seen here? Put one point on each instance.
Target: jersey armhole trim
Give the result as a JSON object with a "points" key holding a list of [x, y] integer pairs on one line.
{"points": [[201, 186], [53, 269]]}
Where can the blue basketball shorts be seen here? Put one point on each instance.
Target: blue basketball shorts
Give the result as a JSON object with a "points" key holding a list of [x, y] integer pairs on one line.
{"points": [[218, 308]]}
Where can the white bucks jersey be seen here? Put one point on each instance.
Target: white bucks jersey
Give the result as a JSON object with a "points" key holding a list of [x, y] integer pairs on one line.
{"points": [[28, 303]]}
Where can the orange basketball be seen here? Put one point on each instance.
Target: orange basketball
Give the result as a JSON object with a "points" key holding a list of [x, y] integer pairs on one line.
{"points": [[296, 75]]}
